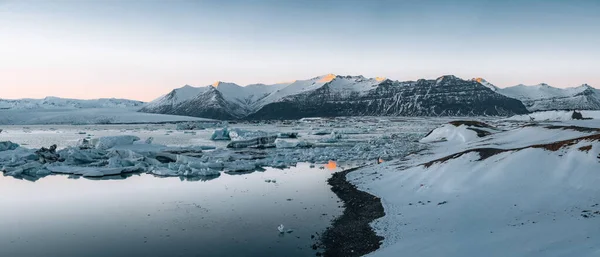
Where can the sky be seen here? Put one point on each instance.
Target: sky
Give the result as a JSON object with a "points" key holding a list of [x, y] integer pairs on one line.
{"points": [[143, 49]]}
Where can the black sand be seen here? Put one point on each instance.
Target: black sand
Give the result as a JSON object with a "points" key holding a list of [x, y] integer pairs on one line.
{"points": [[351, 234]]}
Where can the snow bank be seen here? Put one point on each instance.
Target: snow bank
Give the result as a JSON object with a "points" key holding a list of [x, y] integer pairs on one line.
{"points": [[451, 133]]}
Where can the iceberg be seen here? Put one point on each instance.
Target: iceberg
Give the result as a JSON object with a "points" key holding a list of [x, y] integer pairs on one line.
{"points": [[220, 134], [288, 135], [112, 141], [7, 145], [280, 143], [264, 142]]}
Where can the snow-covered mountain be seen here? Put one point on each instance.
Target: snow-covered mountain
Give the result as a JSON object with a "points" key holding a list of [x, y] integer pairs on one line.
{"points": [[220, 100], [65, 103], [486, 84], [334, 95], [543, 97]]}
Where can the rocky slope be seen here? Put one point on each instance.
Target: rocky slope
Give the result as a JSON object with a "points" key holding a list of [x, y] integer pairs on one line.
{"points": [[446, 96], [332, 95]]}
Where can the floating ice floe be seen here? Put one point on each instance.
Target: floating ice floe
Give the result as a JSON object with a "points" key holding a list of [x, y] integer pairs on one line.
{"points": [[250, 150], [334, 137], [288, 135], [263, 142], [220, 134], [236, 134], [7, 145], [196, 125], [322, 132], [104, 157], [280, 143], [104, 143]]}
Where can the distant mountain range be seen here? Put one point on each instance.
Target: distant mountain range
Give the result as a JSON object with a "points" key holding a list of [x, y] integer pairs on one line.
{"points": [[543, 97], [333, 95], [65, 103]]}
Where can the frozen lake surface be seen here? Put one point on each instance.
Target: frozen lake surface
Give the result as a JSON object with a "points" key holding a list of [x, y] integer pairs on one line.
{"points": [[142, 215]]}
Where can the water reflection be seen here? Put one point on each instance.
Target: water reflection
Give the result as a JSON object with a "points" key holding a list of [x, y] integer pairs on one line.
{"points": [[332, 165], [142, 215]]}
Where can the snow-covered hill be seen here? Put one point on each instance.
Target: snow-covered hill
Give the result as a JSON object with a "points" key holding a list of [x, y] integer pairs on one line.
{"points": [[517, 191], [334, 95], [66, 103], [544, 97]]}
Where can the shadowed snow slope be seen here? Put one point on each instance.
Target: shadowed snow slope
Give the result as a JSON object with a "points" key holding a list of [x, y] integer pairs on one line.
{"points": [[543, 97], [528, 201]]}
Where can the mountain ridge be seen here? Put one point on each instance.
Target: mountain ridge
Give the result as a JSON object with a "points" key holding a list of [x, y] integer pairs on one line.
{"points": [[52, 102], [543, 97], [337, 95]]}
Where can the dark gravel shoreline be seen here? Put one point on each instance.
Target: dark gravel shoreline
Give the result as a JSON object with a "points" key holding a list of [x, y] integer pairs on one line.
{"points": [[350, 234]]}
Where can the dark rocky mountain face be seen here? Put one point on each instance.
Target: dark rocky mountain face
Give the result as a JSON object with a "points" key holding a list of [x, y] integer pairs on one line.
{"points": [[340, 96], [447, 96]]}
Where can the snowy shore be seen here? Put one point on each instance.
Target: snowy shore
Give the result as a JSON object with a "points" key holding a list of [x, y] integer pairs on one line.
{"points": [[507, 188]]}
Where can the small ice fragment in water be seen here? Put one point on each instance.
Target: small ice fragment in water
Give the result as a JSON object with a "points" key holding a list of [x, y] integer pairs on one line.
{"points": [[281, 228]]}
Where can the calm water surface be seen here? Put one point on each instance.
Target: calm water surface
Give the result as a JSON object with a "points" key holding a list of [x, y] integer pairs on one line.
{"points": [[142, 215]]}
